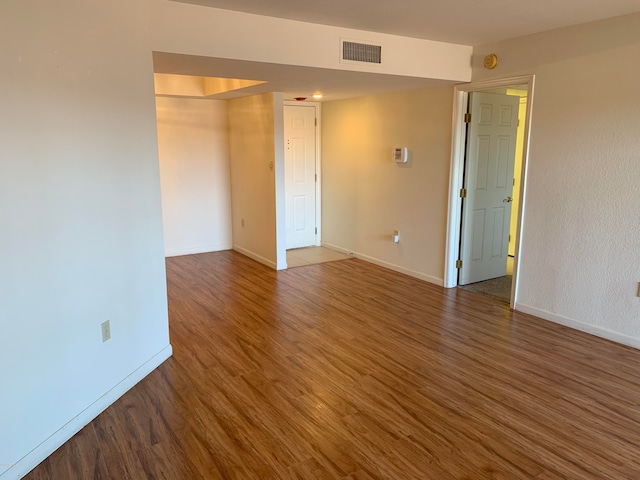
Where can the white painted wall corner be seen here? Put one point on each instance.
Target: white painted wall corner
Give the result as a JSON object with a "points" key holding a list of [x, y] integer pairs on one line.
{"points": [[390, 266], [582, 326], [255, 256], [177, 252], [55, 441]]}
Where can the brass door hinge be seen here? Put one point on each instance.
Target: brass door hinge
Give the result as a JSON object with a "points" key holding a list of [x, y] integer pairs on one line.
{"points": [[463, 193], [458, 263], [467, 118]]}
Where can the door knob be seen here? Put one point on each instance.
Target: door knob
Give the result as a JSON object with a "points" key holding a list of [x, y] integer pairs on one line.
{"points": [[508, 200]]}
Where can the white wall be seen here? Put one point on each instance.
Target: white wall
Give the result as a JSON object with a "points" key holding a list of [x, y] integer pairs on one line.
{"points": [[579, 258], [281, 207], [81, 236], [196, 30], [194, 170], [366, 196], [257, 164]]}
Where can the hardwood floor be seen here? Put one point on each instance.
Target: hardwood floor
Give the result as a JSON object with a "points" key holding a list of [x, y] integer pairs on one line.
{"points": [[345, 370]]}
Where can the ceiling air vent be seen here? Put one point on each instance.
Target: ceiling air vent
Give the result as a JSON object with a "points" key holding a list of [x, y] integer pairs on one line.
{"points": [[361, 52]]}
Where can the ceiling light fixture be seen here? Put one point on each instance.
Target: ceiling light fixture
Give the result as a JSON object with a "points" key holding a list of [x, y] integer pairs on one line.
{"points": [[317, 96]]}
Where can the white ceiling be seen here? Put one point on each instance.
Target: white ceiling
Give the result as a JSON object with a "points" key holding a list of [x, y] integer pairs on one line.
{"points": [[468, 22], [293, 81]]}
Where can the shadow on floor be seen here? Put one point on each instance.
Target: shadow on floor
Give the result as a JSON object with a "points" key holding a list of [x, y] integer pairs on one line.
{"points": [[499, 288], [300, 257]]}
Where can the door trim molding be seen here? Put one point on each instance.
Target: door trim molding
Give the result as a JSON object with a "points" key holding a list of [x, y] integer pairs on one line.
{"points": [[460, 99], [318, 111]]}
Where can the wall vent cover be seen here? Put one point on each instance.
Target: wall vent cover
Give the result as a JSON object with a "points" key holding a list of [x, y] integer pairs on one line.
{"points": [[361, 52]]}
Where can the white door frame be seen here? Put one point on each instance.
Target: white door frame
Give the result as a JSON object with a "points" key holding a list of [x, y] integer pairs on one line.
{"points": [[460, 100], [318, 109]]}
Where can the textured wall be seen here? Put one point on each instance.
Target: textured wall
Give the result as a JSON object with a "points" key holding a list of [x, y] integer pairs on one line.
{"points": [[581, 235]]}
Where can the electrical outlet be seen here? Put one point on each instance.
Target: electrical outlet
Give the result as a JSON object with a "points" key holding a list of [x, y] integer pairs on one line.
{"points": [[106, 331]]}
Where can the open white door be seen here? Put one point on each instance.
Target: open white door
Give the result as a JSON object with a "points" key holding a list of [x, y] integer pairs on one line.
{"points": [[486, 210], [300, 175]]}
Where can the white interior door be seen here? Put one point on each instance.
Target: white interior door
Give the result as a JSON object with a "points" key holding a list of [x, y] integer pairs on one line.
{"points": [[300, 175], [486, 210]]}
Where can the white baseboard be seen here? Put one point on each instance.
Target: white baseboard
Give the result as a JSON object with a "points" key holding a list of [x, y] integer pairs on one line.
{"points": [[578, 325], [178, 252], [330, 246], [390, 266], [55, 441], [255, 256]]}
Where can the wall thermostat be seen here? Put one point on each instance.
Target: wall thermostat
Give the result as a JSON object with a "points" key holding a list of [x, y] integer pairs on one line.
{"points": [[400, 154]]}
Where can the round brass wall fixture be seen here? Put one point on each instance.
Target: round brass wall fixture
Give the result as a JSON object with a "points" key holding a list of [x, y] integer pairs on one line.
{"points": [[491, 61]]}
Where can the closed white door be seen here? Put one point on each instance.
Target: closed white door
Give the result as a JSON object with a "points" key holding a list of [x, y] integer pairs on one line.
{"points": [[300, 175], [486, 210]]}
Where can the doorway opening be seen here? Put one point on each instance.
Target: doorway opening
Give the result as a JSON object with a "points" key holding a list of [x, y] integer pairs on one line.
{"points": [[487, 186]]}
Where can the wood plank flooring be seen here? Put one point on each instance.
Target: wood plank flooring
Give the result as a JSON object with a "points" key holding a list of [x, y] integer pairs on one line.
{"points": [[346, 370]]}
